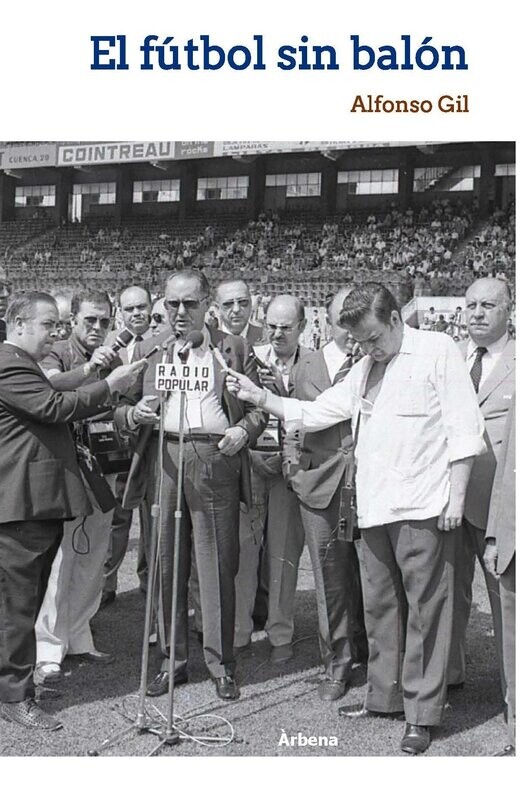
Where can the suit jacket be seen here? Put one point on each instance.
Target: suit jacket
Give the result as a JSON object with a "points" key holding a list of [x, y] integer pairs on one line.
{"points": [[2, 330], [495, 397], [123, 352], [255, 333], [501, 523], [325, 454], [39, 473], [235, 352]]}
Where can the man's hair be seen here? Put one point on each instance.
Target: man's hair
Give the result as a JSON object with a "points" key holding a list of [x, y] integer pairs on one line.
{"points": [[141, 288], [192, 274], [227, 281], [89, 296], [23, 304], [370, 297]]}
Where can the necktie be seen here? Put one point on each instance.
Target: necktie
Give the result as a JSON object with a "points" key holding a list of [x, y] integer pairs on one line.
{"points": [[136, 341], [476, 370], [343, 370]]}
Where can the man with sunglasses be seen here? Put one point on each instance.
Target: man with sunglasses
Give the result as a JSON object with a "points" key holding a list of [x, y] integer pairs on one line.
{"points": [[135, 306], [218, 430], [4, 297], [159, 321], [74, 589], [234, 302]]}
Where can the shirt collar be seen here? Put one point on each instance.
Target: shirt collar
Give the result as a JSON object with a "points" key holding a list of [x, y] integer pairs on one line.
{"points": [[494, 349], [242, 334]]}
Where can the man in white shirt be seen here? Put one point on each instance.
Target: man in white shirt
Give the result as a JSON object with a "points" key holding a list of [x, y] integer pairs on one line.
{"points": [[490, 360], [417, 424]]}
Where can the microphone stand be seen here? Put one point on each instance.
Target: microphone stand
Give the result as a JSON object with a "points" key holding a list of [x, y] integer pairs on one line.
{"points": [[143, 723]]}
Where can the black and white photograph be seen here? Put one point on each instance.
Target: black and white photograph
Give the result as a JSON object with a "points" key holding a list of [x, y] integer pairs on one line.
{"points": [[257, 448]]}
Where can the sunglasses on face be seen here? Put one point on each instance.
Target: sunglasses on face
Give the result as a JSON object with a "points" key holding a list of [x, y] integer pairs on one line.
{"points": [[243, 303], [90, 322], [189, 305]]}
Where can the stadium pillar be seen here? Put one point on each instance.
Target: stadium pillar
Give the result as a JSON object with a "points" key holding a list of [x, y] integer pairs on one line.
{"points": [[486, 185], [405, 181], [7, 184], [256, 195], [329, 177], [188, 193], [63, 192], [124, 194]]}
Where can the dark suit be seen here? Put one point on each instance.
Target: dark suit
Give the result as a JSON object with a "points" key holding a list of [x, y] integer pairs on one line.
{"points": [[494, 399], [40, 486], [213, 485], [317, 481], [255, 333]]}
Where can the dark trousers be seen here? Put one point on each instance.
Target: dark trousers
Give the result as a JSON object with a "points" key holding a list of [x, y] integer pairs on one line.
{"points": [[209, 524], [119, 535], [335, 567], [407, 577], [470, 544], [27, 550]]}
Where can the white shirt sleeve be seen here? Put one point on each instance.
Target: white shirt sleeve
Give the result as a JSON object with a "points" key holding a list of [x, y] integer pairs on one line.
{"points": [[461, 415], [330, 407]]}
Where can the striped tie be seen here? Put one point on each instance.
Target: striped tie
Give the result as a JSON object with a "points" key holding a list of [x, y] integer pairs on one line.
{"points": [[476, 370], [343, 370]]}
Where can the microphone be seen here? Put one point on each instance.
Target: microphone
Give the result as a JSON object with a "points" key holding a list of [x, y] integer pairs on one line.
{"points": [[193, 340], [123, 339]]}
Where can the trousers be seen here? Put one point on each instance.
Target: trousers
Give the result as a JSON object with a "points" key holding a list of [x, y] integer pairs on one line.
{"points": [[118, 540], [407, 577], [27, 550], [74, 588], [209, 524]]}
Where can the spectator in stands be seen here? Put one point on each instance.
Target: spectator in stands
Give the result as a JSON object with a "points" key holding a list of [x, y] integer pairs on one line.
{"points": [[441, 325]]}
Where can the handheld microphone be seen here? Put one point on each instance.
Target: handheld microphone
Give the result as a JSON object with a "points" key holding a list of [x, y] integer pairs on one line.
{"points": [[193, 340], [123, 339]]}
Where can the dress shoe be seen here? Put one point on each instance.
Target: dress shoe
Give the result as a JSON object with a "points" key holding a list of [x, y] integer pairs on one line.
{"points": [[29, 714], [46, 673], [331, 690], [359, 712], [508, 750], [159, 685], [95, 657], [416, 739], [281, 653], [227, 688], [107, 598]]}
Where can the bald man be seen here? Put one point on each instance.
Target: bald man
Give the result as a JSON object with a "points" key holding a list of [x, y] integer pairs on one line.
{"points": [[235, 305], [490, 358], [274, 518]]}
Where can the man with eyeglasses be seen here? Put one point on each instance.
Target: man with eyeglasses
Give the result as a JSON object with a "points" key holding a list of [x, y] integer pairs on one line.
{"points": [[234, 302], [274, 520], [159, 320], [135, 306], [216, 474], [63, 299], [75, 584]]}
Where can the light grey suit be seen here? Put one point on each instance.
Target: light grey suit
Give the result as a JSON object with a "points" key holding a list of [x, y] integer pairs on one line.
{"points": [[495, 398]]}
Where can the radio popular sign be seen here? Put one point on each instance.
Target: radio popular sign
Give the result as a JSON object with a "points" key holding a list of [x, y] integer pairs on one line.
{"points": [[182, 378]]}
